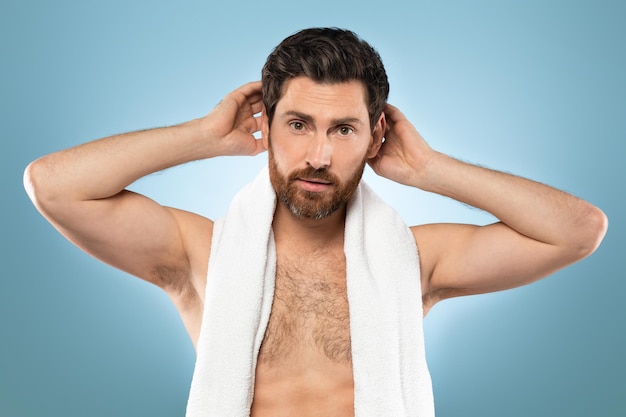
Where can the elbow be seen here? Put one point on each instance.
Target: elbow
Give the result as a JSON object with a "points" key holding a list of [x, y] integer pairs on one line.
{"points": [[593, 227], [30, 180], [37, 184]]}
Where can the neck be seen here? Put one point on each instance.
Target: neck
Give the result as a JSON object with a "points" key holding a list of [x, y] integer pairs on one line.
{"points": [[326, 232]]}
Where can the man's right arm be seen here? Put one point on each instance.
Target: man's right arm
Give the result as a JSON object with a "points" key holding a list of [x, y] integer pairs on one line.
{"points": [[81, 191]]}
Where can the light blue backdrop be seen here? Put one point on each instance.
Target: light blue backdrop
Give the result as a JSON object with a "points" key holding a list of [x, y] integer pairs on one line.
{"points": [[536, 88]]}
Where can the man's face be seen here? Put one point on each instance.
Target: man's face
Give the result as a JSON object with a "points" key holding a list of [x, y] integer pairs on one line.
{"points": [[319, 142]]}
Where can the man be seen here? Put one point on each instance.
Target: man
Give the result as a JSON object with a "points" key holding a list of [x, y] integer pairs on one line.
{"points": [[324, 116]]}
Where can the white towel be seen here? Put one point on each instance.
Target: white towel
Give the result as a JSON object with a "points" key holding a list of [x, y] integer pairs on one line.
{"points": [[391, 377]]}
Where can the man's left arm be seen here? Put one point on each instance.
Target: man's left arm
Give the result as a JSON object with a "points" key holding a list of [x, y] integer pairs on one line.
{"points": [[541, 229]]}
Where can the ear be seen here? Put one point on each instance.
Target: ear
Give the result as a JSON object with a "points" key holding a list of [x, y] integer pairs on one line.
{"points": [[377, 136], [265, 128]]}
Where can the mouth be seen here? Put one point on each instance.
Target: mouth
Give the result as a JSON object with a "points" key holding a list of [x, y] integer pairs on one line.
{"points": [[316, 181], [314, 184]]}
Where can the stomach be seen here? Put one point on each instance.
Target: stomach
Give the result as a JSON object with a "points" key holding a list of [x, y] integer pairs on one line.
{"points": [[308, 387]]}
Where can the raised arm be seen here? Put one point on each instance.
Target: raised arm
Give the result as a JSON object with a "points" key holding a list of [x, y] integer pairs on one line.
{"points": [[541, 229], [81, 191]]}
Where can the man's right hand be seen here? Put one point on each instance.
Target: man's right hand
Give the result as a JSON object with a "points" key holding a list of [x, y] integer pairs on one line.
{"points": [[232, 123]]}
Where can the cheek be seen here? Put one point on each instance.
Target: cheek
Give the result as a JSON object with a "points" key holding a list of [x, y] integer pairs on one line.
{"points": [[354, 155], [287, 153], [280, 157], [277, 153]]}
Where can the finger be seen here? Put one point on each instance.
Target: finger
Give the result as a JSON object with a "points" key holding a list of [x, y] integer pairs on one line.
{"points": [[259, 123], [253, 124], [258, 147], [256, 107], [254, 93], [250, 93], [250, 89], [392, 113]]}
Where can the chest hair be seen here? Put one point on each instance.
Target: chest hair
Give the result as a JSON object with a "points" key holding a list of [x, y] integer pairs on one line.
{"points": [[309, 310]]}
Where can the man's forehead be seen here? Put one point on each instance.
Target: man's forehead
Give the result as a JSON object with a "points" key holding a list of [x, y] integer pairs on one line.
{"points": [[302, 94]]}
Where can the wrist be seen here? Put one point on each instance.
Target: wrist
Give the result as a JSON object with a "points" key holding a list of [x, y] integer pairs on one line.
{"points": [[428, 176], [203, 141]]}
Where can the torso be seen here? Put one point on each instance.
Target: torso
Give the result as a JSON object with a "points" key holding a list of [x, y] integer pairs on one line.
{"points": [[304, 366]]}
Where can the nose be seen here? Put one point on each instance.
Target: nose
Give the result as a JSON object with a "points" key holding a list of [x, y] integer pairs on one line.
{"points": [[319, 152]]}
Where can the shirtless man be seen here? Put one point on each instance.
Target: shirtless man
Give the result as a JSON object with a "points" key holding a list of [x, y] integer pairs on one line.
{"points": [[332, 126]]}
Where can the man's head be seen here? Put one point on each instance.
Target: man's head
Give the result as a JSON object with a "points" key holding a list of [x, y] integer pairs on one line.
{"points": [[324, 91], [329, 56]]}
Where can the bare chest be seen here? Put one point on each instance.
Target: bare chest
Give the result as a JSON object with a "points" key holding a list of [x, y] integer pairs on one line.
{"points": [[310, 310]]}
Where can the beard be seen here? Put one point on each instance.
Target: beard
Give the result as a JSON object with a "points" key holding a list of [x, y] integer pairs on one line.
{"points": [[307, 204]]}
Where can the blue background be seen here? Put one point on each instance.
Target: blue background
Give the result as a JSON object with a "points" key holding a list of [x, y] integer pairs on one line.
{"points": [[536, 88]]}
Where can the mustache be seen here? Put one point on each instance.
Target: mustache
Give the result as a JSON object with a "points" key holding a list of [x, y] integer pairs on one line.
{"points": [[312, 173]]}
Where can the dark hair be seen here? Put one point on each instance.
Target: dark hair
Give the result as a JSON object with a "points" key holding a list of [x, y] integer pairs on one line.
{"points": [[326, 55]]}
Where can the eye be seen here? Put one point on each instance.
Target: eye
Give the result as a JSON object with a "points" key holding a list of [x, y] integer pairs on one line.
{"points": [[345, 130], [297, 125]]}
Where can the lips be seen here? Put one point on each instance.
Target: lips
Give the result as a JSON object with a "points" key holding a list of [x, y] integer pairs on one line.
{"points": [[313, 180], [314, 185], [316, 180]]}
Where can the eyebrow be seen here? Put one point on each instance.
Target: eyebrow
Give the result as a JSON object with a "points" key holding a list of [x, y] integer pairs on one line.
{"points": [[335, 122]]}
